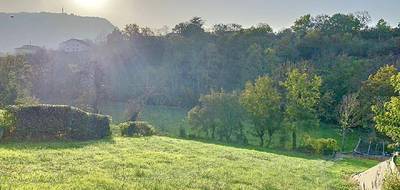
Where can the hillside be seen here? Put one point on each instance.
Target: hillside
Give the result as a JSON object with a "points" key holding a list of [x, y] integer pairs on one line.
{"points": [[48, 29], [165, 163]]}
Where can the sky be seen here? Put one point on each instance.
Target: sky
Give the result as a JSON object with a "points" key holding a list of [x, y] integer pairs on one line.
{"points": [[158, 13]]}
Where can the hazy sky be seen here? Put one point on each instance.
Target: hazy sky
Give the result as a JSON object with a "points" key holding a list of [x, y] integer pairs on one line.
{"points": [[157, 13]]}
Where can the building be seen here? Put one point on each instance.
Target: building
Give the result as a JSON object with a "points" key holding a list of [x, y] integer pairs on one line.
{"points": [[27, 50], [74, 46]]}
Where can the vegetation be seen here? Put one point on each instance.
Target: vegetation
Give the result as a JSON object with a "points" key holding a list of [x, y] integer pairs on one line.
{"points": [[219, 115], [302, 98], [327, 79], [391, 182], [349, 115], [165, 163], [387, 119], [45, 122], [262, 101], [319, 146], [136, 128]]}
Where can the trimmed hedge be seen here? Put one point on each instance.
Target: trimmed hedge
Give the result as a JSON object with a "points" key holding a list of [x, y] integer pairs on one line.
{"points": [[136, 128], [50, 122]]}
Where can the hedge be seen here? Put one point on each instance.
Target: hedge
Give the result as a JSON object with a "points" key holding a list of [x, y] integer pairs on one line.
{"points": [[50, 122]]}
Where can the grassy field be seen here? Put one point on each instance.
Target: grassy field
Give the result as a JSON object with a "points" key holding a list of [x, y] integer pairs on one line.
{"points": [[165, 163]]}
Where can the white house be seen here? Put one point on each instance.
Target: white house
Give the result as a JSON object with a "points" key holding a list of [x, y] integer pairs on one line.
{"points": [[74, 46], [27, 49]]}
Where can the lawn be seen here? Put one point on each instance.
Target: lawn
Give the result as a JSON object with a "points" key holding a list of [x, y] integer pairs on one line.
{"points": [[166, 163]]}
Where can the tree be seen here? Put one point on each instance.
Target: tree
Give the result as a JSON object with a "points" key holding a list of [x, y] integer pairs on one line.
{"points": [[254, 64], [303, 24], [388, 118], [15, 81], [383, 29], [349, 115], [191, 28], [375, 91], [219, 113], [262, 102], [302, 98]]}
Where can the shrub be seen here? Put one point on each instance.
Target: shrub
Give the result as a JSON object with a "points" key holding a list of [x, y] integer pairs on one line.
{"points": [[49, 122], [136, 128], [319, 146], [391, 182]]}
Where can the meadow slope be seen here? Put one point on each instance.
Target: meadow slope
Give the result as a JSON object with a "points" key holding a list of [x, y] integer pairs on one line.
{"points": [[165, 163]]}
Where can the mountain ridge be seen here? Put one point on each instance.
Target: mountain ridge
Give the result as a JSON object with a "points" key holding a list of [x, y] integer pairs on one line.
{"points": [[48, 29]]}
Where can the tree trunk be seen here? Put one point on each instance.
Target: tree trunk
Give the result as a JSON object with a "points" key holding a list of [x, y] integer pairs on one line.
{"points": [[261, 140], [269, 139], [343, 140], [213, 133], [294, 140]]}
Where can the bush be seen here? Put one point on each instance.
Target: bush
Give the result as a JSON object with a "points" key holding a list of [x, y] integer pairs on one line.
{"points": [[391, 182], [136, 128], [49, 122], [319, 146]]}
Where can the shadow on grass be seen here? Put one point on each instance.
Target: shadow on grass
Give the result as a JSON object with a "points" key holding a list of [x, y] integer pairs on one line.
{"points": [[53, 145], [288, 153]]}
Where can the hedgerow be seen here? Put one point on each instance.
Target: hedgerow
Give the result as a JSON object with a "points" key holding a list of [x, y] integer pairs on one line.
{"points": [[50, 122]]}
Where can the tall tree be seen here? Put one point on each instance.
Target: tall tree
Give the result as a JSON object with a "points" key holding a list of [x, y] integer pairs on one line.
{"points": [[219, 114], [302, 98], [388, 118], [262, 102], [349, 115]]}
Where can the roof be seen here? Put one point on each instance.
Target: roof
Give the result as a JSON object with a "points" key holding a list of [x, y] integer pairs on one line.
{"points": [[29, 47], [76, 40]]}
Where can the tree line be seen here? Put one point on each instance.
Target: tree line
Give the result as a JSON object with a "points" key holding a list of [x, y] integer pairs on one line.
{"points": [[336, 58]]}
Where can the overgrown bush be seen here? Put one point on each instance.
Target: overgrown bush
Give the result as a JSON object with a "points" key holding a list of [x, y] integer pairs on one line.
{"points": [[319, 146], [49, 122], [136, 128], [391, 182]]}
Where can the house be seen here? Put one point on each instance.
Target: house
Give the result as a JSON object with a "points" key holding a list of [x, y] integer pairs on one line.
{"points": [[74, 46], [27, 50]]}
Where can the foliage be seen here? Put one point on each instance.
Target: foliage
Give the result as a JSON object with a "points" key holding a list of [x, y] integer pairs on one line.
{"points": [[391, 182], [136, 128], [218, 115], [302, 98], [183, 63], [167, 163], [349, 115], [375, 91], [262, 101], [47, 122], [15, 83], [169, 120], [6, 119], [388, 118], [319, 146]]}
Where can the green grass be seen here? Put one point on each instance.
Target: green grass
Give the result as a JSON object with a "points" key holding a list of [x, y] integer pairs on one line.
{"points": [[166, 163]]}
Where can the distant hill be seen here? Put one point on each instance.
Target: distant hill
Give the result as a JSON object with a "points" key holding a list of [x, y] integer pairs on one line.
{"points": [[48, 29]]}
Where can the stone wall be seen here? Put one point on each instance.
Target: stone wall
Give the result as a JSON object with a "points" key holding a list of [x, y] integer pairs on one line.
{"points": [[372, 179]]}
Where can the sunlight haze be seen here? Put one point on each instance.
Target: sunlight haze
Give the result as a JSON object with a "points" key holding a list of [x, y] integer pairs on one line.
{"points": [[157, 13]]}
